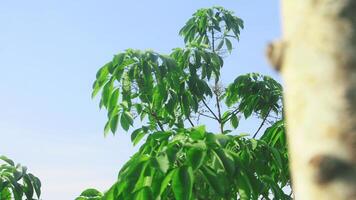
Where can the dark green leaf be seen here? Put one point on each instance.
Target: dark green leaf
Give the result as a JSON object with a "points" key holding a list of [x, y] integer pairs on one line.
{"points": [[126, 120], [182, 183], [228, 45], [196, 157]]}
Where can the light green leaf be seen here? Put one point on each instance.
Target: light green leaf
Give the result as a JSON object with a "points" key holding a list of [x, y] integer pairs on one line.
{"points": [[166, 181], [113, 123], [162, 163], [137, 135], [198, 133], [114, 99]]}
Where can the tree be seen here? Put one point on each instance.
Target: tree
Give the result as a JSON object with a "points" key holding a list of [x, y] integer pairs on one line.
{"points": [[16, 183], [180, 159], [317, 60]]}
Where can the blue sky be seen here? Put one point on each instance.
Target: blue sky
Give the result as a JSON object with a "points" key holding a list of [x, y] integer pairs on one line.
{"points": [[50, 51]]}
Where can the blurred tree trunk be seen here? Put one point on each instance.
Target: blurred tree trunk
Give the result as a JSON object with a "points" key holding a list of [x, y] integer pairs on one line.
{"points": [[317, 59]]}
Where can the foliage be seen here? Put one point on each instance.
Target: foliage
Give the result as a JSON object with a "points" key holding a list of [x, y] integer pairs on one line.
{"points": [[16, 183], [90, 194], [195, 164], [168, 94]]}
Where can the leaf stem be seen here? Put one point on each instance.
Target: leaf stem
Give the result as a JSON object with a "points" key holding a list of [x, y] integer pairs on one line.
{"points": [[206, 105], [190, 121], [205, 115], [216, 87]]}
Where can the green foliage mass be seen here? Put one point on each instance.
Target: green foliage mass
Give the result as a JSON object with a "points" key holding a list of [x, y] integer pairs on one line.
{"points": [[16, 183], [166, 95]]}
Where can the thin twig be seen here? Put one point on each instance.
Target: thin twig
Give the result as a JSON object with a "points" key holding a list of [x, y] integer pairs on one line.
{"points": [[158, 122], [154, 115], [216, 87], [219, 113], [263, 122], [205, 115], [206, 105], [190, 121]]}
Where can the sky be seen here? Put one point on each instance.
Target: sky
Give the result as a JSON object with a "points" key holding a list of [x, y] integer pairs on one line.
{"points": [[50, 51]]}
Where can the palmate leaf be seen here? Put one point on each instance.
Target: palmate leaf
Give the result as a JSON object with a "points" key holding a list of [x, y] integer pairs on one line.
{"points": [[255, 93], [146, 90], [215, 20]]}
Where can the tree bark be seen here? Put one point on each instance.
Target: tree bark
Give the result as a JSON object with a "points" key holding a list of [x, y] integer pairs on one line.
{"points": [[317, 60]]}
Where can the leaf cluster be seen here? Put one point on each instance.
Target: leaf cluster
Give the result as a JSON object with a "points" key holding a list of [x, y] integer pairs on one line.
{"points": [[188, 164], [16, 183]]}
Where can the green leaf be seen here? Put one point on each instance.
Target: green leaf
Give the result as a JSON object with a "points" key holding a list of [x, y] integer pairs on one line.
{"points": [[90, 194], [185, 105], [277, 157], [245, 187], [106, 93], [103, 71], [198, 133], [28, 187], [166, 181], [5, 194], [113, 123], [254, 143], [228, 45], [144, 194], [118, 59], [36, 184], [137, 135], [182, 183], [196, 157], [162, 163], [227, 160], [234, 121], [7, 160], [220, 45], [126, 120], [114, 99], [216, 180], [107, 128], [96, 89]]}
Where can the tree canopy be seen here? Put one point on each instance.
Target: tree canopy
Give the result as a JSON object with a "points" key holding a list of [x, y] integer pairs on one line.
{"points": [[166, 95]]}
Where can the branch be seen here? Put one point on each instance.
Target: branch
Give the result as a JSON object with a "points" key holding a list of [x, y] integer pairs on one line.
{"points": [[190, 121], [206, 105], [158, 122], [205, 115], [154, 115], [216, 87], [219, 112], [263, 122]]}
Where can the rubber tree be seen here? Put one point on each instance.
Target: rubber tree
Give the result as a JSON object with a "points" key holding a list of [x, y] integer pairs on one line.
{"points": [[317, 60]]}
